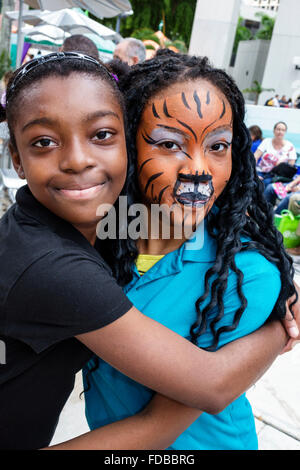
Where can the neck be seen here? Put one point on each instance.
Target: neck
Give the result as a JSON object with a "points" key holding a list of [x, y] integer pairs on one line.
{"points": [[278, 140], [88, 232], [158, 244]]}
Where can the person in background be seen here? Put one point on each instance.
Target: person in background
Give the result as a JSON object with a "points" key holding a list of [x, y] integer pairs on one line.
{"points": [[273, 151], [276, 101], [283, 192], [80, 43], [283, 102], [256, 136], [130, 50]]}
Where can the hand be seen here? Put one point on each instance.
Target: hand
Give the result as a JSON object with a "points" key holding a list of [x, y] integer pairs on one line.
{"points": [[292, 325], [288, 188]]}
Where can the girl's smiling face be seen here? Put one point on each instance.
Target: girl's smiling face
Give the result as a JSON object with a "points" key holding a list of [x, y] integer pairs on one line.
{"points": [[184, 149], [71, 147]]}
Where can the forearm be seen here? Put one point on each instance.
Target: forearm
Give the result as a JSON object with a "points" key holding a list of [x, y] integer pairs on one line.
{"points": [[257, 155], [156, 427], [160, 359], [244, 361]]}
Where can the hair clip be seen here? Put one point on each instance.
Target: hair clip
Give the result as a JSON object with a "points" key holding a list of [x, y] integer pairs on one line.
{"points": [[54, 56]]}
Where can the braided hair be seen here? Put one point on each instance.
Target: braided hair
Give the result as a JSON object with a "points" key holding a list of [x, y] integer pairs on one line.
{"points": [[243, 210]]}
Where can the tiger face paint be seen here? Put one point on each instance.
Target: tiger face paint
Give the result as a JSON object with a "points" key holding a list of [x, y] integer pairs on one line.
{"points": [[184, 148]]}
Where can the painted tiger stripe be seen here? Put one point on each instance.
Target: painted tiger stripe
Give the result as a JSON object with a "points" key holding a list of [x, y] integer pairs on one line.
{"points": [[155, 114], [185, 101], [148, 139], [161, 193], [143, 164], [207, 97], [152, 178], [166, 110], [223, 111], [198, 103]]}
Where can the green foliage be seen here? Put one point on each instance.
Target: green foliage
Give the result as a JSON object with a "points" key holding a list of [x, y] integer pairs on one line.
{"points": [[267, 26], [5, 62], [145, 33], [257, 89], [180, 45], [242, 34], [178, 18]]}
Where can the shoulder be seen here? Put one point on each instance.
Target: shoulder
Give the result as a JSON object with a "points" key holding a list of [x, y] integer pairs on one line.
{"points": [[261, 286], [61, 295], [261, 281], [288, 146], [264, 143]]}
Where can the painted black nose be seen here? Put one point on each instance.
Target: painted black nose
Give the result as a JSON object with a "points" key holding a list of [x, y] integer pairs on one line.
{"points": [[196, 178]]}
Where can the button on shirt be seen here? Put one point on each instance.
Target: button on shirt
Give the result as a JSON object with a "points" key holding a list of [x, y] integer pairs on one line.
{"points": [[53, 286], [167, 293]]}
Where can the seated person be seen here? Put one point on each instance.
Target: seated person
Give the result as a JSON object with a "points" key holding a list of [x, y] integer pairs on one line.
{"points": [[273, 151]]}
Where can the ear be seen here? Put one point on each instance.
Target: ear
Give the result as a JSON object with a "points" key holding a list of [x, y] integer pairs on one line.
{"points": [[134, 59], [16, 161]]}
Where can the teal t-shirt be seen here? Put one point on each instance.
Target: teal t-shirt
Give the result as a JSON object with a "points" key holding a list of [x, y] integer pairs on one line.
{"points": [[167, 293]]}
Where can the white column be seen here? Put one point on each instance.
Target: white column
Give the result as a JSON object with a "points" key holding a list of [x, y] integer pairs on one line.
{"points": [[214, 29], [280, 72]]}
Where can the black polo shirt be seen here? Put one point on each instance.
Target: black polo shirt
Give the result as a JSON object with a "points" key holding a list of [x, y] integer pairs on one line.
{"points": [[53, 285]]}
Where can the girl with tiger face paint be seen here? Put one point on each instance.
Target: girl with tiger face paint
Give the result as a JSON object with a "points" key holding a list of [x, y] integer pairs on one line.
{"points": [[184, 149], [190, 149]]}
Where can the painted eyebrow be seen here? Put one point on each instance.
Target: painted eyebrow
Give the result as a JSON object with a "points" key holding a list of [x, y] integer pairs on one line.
{"points": [[173, 129], [189, 128], [219, 130]]}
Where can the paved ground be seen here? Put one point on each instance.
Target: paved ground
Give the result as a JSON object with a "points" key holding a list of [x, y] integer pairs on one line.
{"points": [[274, 398]]}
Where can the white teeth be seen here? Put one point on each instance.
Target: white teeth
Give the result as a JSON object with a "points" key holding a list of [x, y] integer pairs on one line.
{"points": [[191, 188]]}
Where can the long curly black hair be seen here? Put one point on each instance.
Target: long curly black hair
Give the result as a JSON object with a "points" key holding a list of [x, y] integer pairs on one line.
{"points": [[243, 210]]}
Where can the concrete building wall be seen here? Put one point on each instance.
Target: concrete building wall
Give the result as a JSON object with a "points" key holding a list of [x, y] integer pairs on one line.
{"points": [[250, 63], [280, 73], [214, 30]]}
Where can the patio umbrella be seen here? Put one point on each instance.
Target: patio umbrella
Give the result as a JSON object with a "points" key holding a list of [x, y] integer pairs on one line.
{"points": [[52, 36], [70, 21], [99, 8]]}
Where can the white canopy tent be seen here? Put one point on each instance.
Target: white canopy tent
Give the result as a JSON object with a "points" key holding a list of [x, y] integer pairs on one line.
{"points": [[99, 8], [70, 21]]}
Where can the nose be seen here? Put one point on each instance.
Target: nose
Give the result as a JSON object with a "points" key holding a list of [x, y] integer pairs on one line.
{"points": [[76, 157], [195, 165]]}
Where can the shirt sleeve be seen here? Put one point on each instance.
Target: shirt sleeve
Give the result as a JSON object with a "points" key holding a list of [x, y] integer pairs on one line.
{"points": [[63, 295], [292, 154], [263, 146], [261, 287]]}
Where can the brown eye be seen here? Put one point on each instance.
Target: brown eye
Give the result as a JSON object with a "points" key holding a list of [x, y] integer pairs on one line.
{"points": [[44, 143], [169, 145], [219, 147], [103, 135]]}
